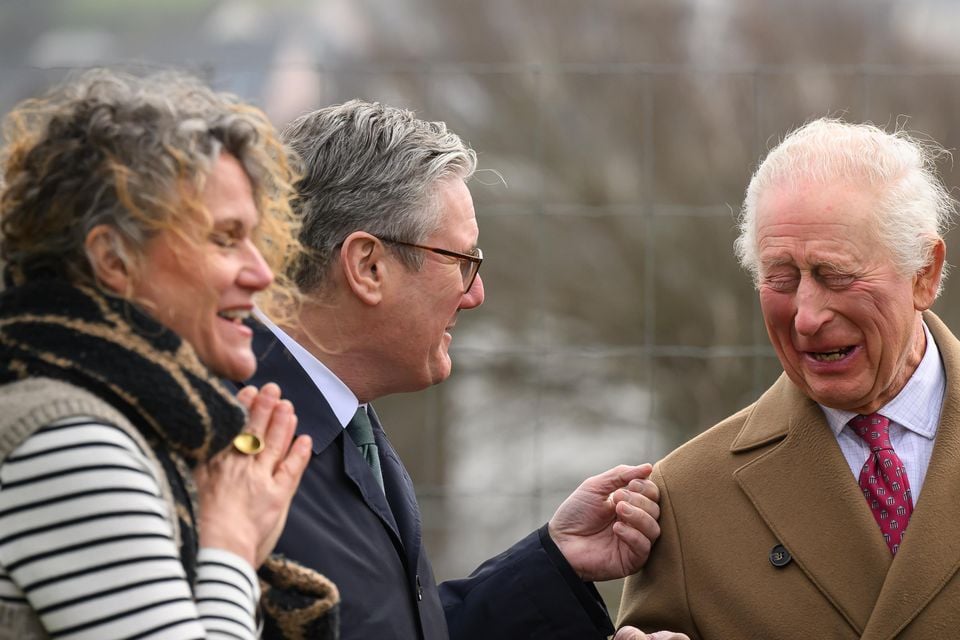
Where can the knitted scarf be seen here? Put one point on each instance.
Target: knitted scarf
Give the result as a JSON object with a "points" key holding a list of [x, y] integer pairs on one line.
{"points": [[110, 348], [50, 328]]}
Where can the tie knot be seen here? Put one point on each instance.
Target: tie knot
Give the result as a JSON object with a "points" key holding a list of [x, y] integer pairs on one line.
{"points": [[360, 429], [874, 429]]}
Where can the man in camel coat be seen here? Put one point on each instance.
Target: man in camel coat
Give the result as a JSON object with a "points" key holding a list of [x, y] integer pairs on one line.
{"points": [[829, 508]]}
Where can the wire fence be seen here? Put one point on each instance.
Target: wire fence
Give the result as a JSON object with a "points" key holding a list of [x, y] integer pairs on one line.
{"points": [[617, 323]]}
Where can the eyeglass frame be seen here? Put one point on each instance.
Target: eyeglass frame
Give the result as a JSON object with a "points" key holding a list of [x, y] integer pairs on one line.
{"points": [[469, 259]]}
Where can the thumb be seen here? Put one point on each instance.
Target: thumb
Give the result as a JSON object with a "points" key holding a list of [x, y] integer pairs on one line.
{"points": [[618, 477]]}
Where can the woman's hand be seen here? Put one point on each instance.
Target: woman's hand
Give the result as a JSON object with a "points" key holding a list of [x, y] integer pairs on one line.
{"points": [[244, 499]]}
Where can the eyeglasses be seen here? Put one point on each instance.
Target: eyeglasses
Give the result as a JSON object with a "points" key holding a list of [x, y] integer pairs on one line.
{"points": [[469, 263]]}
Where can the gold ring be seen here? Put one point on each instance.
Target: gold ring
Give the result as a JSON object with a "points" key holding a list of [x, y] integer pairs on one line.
{"points": [[248, 443]]}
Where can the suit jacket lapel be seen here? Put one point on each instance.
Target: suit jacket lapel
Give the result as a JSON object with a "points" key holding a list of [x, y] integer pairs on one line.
{"points": [[360, 473], [930, 553], [804, 491], [400, 493]]}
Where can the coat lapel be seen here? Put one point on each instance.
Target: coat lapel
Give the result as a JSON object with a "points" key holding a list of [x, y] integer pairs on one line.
{"points": [[930, 554], [400, 494], [804, 491], [360, 473]]}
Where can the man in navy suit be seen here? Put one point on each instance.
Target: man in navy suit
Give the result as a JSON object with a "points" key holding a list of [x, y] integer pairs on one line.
{"points": [[391, 233]]}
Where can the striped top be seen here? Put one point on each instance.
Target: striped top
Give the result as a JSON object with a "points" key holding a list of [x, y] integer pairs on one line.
{"points": [[86, 541]]}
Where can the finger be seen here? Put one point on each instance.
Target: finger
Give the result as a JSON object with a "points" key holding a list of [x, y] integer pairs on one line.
{"points": [[638, 500], [246, 396], [667, 635], [270, 389], [642, 524], [262, 408], [278, 433], [639, 518], [291, 468], [646, 487], [638, 544], [620, 476]]}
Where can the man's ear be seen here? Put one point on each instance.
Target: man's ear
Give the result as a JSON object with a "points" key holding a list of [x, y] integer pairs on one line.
{"points": [[362, 259], [927, 281], [106, 254]]}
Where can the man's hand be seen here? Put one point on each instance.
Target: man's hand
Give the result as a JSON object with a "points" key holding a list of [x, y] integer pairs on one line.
{"points": [[606, 527], [632, 633]]}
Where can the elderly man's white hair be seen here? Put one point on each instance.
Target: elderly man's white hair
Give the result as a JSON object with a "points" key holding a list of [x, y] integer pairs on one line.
{"points": [[915, 207]]}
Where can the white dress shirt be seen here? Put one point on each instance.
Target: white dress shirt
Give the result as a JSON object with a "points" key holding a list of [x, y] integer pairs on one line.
{"points": [[914, 414]]}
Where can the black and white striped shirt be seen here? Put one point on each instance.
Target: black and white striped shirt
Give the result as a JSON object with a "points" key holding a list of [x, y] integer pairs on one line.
{"points": [[86, 540]]}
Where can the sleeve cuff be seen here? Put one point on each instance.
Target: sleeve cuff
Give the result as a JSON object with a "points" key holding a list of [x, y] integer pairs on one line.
{"points": [[585, 592], [250, 584]]}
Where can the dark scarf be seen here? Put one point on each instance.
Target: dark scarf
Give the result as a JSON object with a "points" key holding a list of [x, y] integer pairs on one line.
{"points": [[107, 346], [49, 328]]}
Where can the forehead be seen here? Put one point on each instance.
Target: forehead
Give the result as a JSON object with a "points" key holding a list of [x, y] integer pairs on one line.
{"points": [[809, 221], [228, 192], [458, 220]]}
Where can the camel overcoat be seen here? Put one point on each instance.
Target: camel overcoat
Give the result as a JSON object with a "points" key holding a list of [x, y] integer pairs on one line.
{"points": [[766, 534]]}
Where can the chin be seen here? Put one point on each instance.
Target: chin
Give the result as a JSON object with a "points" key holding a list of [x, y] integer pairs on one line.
{"points": [[439, 378], [236, 370], [443, 370], [845, 402]]}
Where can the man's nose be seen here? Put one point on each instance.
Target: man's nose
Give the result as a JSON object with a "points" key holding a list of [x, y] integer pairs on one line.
{"points": [[473, 297], [813, 310]]}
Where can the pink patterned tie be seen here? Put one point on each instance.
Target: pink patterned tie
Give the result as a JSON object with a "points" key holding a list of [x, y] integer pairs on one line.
{"points": [[884, 479]]}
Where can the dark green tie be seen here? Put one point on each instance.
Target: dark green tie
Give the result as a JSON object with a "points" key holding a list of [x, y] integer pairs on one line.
{"points": [[361, 432]]}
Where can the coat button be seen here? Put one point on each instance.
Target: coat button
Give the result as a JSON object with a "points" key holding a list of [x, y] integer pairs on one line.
{"points": [[779, 556]]}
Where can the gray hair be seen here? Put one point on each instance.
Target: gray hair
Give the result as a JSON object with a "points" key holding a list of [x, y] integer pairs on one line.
{"points": [[915, 207], [107, 147], [369, 167]]}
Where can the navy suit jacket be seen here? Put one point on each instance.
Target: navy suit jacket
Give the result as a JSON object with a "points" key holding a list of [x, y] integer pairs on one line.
{"points": [[342, 525]]}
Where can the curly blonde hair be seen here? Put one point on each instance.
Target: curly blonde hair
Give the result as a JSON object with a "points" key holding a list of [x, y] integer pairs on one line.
{"points": [[134, 153]]}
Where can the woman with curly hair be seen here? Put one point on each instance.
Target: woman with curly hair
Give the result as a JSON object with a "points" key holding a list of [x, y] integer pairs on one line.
{"points": [[140, 218]]}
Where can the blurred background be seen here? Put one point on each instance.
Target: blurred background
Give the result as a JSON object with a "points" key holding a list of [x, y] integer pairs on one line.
{"points": [[615, 140]]}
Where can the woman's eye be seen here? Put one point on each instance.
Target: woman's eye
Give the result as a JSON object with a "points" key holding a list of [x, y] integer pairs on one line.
{"points": [[222, 239]]}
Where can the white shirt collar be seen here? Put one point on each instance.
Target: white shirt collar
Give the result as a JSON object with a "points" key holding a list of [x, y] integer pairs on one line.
{"points": [[342, 401], [917, 406]]}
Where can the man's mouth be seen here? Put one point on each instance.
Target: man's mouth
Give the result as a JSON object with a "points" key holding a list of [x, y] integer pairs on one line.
{"points": [[830, 356]]}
